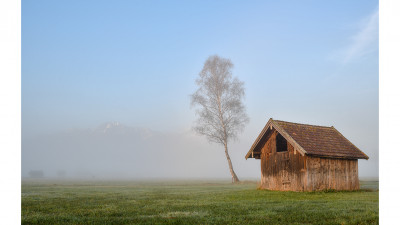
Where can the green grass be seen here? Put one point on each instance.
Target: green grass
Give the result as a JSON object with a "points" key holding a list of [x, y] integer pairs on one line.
{"points": [[191, 202]]}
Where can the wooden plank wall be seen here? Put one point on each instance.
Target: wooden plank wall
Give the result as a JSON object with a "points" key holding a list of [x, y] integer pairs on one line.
{"points": [[326, 173], [282, 170], [290, 171]]}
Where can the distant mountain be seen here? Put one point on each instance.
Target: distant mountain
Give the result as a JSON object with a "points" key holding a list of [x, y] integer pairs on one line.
{"points": [[112, 128], [116, 150], [118, 128]]}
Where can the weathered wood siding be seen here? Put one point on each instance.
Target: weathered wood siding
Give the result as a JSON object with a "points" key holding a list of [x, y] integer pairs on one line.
{"points": [[281, 170], [290, 171], [327, 173]]}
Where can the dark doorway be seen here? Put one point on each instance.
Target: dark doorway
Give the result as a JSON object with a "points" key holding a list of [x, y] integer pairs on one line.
{"points": [[281, 143]]}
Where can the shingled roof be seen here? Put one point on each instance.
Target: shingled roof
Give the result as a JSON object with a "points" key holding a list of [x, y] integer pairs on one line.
{"points": [[309, 140]]}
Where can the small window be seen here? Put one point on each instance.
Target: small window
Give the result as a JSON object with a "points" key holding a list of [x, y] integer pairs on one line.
{"points": [[281, 143]]}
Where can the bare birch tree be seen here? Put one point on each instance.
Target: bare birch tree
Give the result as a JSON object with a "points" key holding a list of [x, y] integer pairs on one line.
{"points": [[221, 113]]}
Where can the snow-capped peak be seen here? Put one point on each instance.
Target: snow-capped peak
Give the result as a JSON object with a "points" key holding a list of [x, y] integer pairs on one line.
{"points": [[104, 128]]}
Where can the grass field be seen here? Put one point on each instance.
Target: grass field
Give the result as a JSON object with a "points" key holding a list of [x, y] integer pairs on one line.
{"points": [[191, 202]]}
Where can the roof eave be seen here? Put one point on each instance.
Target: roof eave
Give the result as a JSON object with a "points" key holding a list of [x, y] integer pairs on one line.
{"points": [[337, 157]]}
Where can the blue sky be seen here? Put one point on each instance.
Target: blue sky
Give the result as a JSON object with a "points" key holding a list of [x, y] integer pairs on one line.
{"points": [[88, 62]]}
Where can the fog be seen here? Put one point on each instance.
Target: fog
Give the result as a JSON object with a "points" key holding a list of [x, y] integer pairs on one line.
{"points": [[116, 151]]}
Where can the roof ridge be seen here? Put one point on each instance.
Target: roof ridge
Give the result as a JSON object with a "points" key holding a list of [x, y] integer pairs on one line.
{"points": [[303, 124]]}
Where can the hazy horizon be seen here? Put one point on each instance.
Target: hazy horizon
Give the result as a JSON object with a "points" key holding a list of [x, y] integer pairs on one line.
{"points": [[95, 154]]}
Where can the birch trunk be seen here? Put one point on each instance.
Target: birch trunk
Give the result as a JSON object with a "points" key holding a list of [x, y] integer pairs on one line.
{"points": [[234, 177]]}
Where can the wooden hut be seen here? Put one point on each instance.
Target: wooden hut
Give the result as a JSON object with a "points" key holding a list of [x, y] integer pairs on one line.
{"points": [[301, 157]]}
